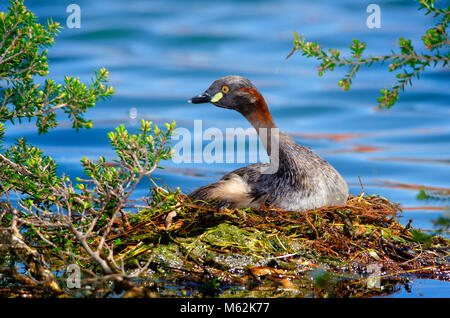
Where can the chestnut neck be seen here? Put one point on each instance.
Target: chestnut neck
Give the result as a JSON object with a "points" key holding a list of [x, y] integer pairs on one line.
{"points": [[258, 114]]}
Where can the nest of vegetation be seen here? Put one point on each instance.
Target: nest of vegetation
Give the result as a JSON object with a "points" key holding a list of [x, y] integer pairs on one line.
{"points": [[359, 249]]}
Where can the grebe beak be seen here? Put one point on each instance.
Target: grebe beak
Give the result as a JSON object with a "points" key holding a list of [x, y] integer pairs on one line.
{"points": [[202, 98]]}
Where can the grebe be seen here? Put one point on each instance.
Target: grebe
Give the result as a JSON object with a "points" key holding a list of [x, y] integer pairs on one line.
{"points": [[296, 179]]}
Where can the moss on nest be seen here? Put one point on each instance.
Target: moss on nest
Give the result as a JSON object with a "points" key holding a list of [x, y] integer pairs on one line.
{"points": [[337, 251]]}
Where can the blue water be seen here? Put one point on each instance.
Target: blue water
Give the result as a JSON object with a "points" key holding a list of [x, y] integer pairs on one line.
{"points": [[162, 52]]}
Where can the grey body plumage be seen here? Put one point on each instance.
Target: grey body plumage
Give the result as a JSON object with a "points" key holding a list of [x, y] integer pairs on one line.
{"points": [[300, 181]]}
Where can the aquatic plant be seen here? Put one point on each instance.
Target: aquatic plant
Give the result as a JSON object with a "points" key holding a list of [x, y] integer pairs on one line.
{"points": [[43, 215], [411, 63]]}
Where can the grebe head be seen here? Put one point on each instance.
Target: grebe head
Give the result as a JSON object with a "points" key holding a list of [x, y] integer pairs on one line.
{"points": [[238, 93], [230, 92]]}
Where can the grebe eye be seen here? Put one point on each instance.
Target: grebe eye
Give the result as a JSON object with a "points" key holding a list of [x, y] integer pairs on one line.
{"points": [[225, 89]]}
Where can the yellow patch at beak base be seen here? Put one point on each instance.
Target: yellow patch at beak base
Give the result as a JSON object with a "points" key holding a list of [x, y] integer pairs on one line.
{"points": [[216, 97]]}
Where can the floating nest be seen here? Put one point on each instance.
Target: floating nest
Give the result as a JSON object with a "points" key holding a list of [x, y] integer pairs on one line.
{"points": [[358, 249]]}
